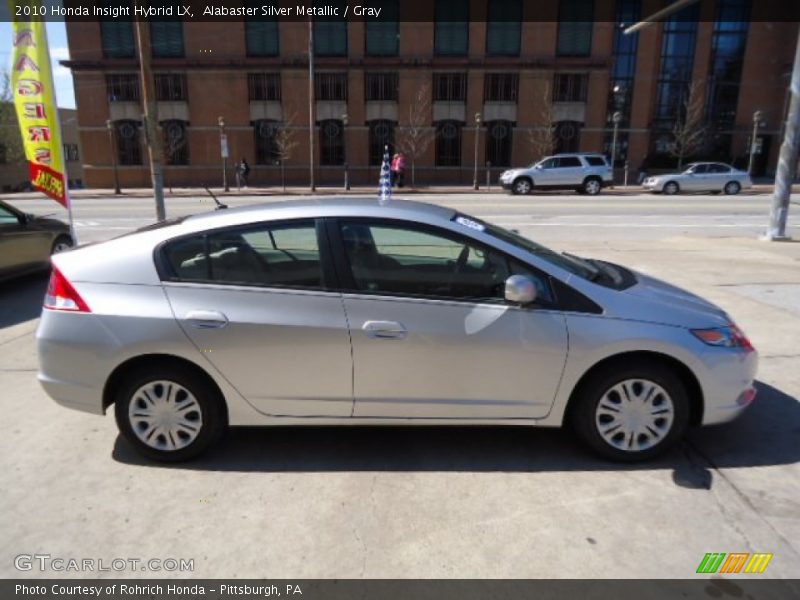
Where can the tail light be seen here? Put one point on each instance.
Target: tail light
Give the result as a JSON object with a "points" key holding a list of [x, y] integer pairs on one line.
{"points": [[62, 296]]}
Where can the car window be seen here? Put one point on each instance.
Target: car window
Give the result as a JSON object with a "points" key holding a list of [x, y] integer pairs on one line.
{"points": [[411, 261], [718, 168], [569, 161], [6, 216], [550, 163], [274, 255], [595, 161]]}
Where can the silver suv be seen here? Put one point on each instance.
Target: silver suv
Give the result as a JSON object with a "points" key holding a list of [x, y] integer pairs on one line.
{"points": [[585, 173]]}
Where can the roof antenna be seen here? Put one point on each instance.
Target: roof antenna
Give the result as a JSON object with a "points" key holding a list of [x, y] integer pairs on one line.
{"points": [[220, 205]]}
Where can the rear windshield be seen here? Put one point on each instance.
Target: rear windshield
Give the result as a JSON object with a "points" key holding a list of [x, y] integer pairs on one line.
{"points": [[596, 161]]}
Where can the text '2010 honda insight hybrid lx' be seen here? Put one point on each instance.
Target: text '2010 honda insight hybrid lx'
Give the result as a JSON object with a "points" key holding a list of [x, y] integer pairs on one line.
{"points": [[348, 312]]}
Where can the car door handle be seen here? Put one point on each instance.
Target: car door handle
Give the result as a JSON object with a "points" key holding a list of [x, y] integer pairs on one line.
{"points": [[385, 330], [206, 319]]}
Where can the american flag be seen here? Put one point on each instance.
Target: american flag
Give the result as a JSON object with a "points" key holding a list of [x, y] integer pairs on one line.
{"points": [[385, 181]]}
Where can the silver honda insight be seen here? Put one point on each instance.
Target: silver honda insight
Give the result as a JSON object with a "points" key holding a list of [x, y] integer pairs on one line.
{"points": [[342, 312]]}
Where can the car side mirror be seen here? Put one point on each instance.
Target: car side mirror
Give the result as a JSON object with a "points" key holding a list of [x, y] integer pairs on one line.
{"points": [[520, 290]]}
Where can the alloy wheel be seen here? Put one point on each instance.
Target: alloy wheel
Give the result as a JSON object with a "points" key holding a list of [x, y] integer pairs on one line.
{"points": [[522, 186], [592, 187], [732, 188]]}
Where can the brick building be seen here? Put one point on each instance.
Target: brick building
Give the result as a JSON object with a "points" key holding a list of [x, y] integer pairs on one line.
{"points": [[397, 82]]}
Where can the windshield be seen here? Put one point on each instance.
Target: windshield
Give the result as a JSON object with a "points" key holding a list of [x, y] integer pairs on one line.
{"points": [[572, 264]]}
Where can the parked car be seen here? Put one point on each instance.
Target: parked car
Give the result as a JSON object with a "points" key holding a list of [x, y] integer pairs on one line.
{"points": [[345, 312], [585, 173], [700, 177], [27, 241]]}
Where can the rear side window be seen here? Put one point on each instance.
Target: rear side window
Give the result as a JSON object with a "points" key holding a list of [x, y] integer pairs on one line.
{"points": [[719, 168], [595, 161], [274, 255], [569, 161]]}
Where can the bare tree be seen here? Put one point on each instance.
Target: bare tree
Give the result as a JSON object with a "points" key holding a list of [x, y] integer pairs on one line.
{"points": [[285, 142], [416, 135], [688, 132], [542, 135], [11, 150]]}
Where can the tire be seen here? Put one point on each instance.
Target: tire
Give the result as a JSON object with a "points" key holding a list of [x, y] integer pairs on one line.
{"points": [[522, 186], [671, 188], [602, 393], [592, 186], [62, 243], [732, 188], [202, 409]]}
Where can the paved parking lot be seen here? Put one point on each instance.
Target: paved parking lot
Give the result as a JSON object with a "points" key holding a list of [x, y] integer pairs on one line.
{"points": [[433, 502]]}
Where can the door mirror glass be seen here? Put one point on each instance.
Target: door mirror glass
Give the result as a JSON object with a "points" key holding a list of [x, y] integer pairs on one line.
{"points": [[520, 290]]}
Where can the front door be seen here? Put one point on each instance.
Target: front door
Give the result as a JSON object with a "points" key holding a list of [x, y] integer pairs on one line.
{"points": [[254, 303], [432, 336]]}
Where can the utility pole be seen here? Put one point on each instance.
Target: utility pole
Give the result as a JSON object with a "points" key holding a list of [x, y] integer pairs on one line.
{"points": [[150, 114], [615, 118], [475, 161], [787, 161], [113, 147], [311, 102], [753, 145]]}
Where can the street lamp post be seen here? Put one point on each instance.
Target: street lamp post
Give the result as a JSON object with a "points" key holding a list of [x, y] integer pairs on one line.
{"points": [[756, 125], [223, 146], [615, 118], [344, 139], [110, 127], [477, 137]]}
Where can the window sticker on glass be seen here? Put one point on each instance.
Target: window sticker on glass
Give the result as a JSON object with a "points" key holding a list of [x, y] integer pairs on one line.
{"points": [[469, 223]]}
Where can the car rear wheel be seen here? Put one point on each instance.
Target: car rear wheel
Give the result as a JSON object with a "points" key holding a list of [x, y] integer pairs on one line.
{"points": [[168, 414], [592, 186], [671, 188], [732, 188], [632, 413], [61, 244], [522, 186]]}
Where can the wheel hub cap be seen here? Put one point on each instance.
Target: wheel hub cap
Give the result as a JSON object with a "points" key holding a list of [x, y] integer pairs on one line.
{"points": [[165, 415], [634, 415]]}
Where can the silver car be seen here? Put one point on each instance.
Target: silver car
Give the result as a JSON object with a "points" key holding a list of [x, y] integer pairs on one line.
{"points": [[701, 177], [351, 313], [584, 173]]}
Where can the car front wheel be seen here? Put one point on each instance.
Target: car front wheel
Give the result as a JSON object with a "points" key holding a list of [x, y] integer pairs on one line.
{"points": [[632, 413], [168, 414], [522, 186], [671, 188]]}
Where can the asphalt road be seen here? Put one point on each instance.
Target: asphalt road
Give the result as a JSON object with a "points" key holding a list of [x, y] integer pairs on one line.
{"points": [[432, 502]]}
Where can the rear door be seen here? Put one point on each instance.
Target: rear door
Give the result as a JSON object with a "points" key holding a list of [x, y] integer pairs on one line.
{"points": [[257, 304], [570, 171]]}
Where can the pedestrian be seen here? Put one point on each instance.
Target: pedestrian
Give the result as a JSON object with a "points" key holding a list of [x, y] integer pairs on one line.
{"points": [[393, 169], [401, 169], [642, 171], [242, 172]]}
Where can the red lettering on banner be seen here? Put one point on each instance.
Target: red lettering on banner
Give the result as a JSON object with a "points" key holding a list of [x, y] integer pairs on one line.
{"points": [[48, 181], [24, 38], [29, 87], [34, 110], [26, 62], [43, 156], [39, 134]]}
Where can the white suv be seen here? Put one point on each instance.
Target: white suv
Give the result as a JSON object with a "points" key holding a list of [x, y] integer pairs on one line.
{"points": [[585, 173]]}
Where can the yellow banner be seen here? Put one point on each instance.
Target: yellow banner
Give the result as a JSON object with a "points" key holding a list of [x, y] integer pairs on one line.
{"points": [[35, 101]]}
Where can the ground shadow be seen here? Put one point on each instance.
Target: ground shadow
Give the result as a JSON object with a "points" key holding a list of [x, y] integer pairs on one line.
{"points": [[765, 435], [21, 298]]}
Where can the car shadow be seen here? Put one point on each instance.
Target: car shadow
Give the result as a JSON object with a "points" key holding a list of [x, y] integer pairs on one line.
{"points": [[765, 435], [21, 298]]}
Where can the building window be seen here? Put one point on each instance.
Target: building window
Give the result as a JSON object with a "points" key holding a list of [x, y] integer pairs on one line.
{"points": [[500, 87], [70, 152], [264, 86], [129, 150], [570, 87], [448, 144], [123, 87], [267, 151], [331, 143], [117, 39], [261, 37], [383, 34], [498, 143], [504, 28], [567, 136], [451, 33], [381, 86], [449, 87], [166, 39], [330, 37], [330, 86], [381, 134], [575, 22], [677, 63], [176, 142], [170, 87]]}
